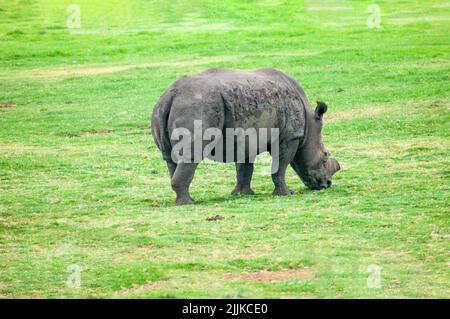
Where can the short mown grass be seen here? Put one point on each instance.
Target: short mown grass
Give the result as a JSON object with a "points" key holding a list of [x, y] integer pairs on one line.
{"points": [[82, 183]]}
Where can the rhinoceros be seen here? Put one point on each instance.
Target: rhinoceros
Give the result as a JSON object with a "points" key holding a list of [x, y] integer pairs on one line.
{"points": [[226, 99]]}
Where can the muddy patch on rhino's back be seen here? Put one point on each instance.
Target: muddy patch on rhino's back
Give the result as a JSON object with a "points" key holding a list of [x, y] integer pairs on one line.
{"points": [[256, 100]]}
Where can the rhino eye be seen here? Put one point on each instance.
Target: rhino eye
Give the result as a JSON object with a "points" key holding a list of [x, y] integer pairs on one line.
{"points": [[325, 156]]}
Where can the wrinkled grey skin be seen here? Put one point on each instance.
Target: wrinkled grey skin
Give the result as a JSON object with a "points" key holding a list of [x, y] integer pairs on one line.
{"points": [[265, 98]]}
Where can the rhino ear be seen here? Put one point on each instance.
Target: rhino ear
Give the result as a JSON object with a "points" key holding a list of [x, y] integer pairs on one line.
{"points": [[321, 108]]}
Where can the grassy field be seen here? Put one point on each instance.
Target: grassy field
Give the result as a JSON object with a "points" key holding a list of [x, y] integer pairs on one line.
{"points": [[86, 207]]}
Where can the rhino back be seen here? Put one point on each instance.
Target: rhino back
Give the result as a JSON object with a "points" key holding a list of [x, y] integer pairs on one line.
{"points": [[265, 98], [223, 99], [196, 98]]}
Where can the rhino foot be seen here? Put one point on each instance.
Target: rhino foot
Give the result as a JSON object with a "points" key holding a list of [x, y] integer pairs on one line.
{"points": [[243, 191], [282, 192], [185, 201]]}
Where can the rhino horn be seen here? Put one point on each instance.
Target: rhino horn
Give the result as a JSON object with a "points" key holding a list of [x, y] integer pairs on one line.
{"points": [[333, 165]]}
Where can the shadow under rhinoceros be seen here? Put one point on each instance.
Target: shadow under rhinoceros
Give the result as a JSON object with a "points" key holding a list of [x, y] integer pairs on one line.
{"points": [[261, 196]]}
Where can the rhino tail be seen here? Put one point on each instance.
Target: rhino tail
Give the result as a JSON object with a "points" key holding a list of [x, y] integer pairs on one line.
{"points": [[159, 124]]}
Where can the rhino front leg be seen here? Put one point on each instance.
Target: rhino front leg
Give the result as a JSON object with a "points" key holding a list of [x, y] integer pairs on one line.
{"points": [[286, 154], [172, 167], [181, 180], [244, 172]]}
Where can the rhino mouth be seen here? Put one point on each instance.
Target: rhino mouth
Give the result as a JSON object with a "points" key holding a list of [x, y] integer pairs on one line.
{"points": [[322, 181], [316, 183], [309, 180], [319, 186]]}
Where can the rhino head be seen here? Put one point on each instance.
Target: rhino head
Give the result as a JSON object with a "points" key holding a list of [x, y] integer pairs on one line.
{"points": [[312, 162]]}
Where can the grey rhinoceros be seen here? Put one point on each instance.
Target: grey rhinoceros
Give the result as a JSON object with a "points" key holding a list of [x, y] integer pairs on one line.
{"points": [[225, 99]]}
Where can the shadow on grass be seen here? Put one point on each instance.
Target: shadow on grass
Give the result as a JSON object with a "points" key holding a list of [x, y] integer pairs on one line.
{"points": [[230, 199]]}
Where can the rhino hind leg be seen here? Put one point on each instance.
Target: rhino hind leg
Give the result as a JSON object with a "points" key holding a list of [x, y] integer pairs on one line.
{"points": [[181, 180], [244, 172], [286, 154]]}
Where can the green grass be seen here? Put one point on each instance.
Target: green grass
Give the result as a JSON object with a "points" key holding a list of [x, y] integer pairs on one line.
{"points": [[81, 181]]}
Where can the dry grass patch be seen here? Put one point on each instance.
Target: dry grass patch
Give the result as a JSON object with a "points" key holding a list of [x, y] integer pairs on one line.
{"points": [[62, 73], [135, 289], [279, 275], [366, 112]]}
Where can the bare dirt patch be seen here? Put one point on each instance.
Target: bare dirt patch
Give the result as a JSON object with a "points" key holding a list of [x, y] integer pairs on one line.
{"points": [[149, 286], [7, 105], [279, 275]]}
